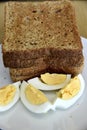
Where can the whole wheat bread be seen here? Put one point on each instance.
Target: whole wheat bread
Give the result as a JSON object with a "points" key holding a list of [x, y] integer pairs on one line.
{"points": [[20, 78], [59, 65], [18, 63], [54, 65], [45, 29], [27, 73], [37, 29], [64, 59]]}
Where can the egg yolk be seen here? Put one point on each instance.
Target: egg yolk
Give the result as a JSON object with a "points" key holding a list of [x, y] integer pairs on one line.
{"points": [[34, 95], [53, 79], [70, 90], [7, 94]]}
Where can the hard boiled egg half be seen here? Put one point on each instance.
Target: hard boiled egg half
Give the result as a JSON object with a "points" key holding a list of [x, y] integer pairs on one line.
{"points": [[33, 99], [50, 81], [9, 95], [68, 95]]}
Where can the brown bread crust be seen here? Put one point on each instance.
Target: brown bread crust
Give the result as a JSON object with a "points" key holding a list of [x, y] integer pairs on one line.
{"points": [[21, 77], [24, 63], [41, 53], [68, 57], [54, 65], [27, 73]]}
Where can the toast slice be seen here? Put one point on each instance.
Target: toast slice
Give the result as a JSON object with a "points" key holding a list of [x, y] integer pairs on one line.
{"points": [[18, 63], [41, 29], [40, 68], [54, 65], [27, 73], [20, 78], [41, 32], [61, 60]]}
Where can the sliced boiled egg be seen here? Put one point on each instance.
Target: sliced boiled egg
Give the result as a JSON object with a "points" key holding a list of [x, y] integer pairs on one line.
{"points": [[53, 79], [50, 81], [33, 99], [67, 96], [9, 95]]}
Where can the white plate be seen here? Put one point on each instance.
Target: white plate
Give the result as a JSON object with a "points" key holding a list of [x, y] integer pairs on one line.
{"points": [[19, 118]]}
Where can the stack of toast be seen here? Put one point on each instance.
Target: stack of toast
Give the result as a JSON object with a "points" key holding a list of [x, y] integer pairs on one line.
{"points": [[41, 37]]}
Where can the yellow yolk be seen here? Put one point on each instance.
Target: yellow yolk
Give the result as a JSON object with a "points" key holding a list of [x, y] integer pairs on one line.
{"points": [[7, 94], [53, 79], [34, 95], [70, 90]]}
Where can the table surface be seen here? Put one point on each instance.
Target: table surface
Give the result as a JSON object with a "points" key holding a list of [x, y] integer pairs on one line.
{"points": [[81, 14]]}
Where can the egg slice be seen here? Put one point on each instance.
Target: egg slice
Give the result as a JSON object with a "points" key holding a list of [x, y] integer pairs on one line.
{"points": [[53, 79], [63, 103], [36, 82], [35, 100], [9, 95]]}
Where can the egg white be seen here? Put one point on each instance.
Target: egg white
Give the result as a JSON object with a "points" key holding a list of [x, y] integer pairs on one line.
{"points": [[36, 82], [42, 108], [15, 99], [64, 104]]}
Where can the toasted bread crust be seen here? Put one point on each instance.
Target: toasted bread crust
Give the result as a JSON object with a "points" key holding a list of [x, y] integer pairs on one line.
{"points": [[27, 73], [21, 77], [53, 65], [24, 63], [64, 56]]}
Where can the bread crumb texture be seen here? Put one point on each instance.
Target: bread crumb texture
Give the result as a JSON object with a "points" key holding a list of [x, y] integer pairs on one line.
{"points": [[35, 25]]}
